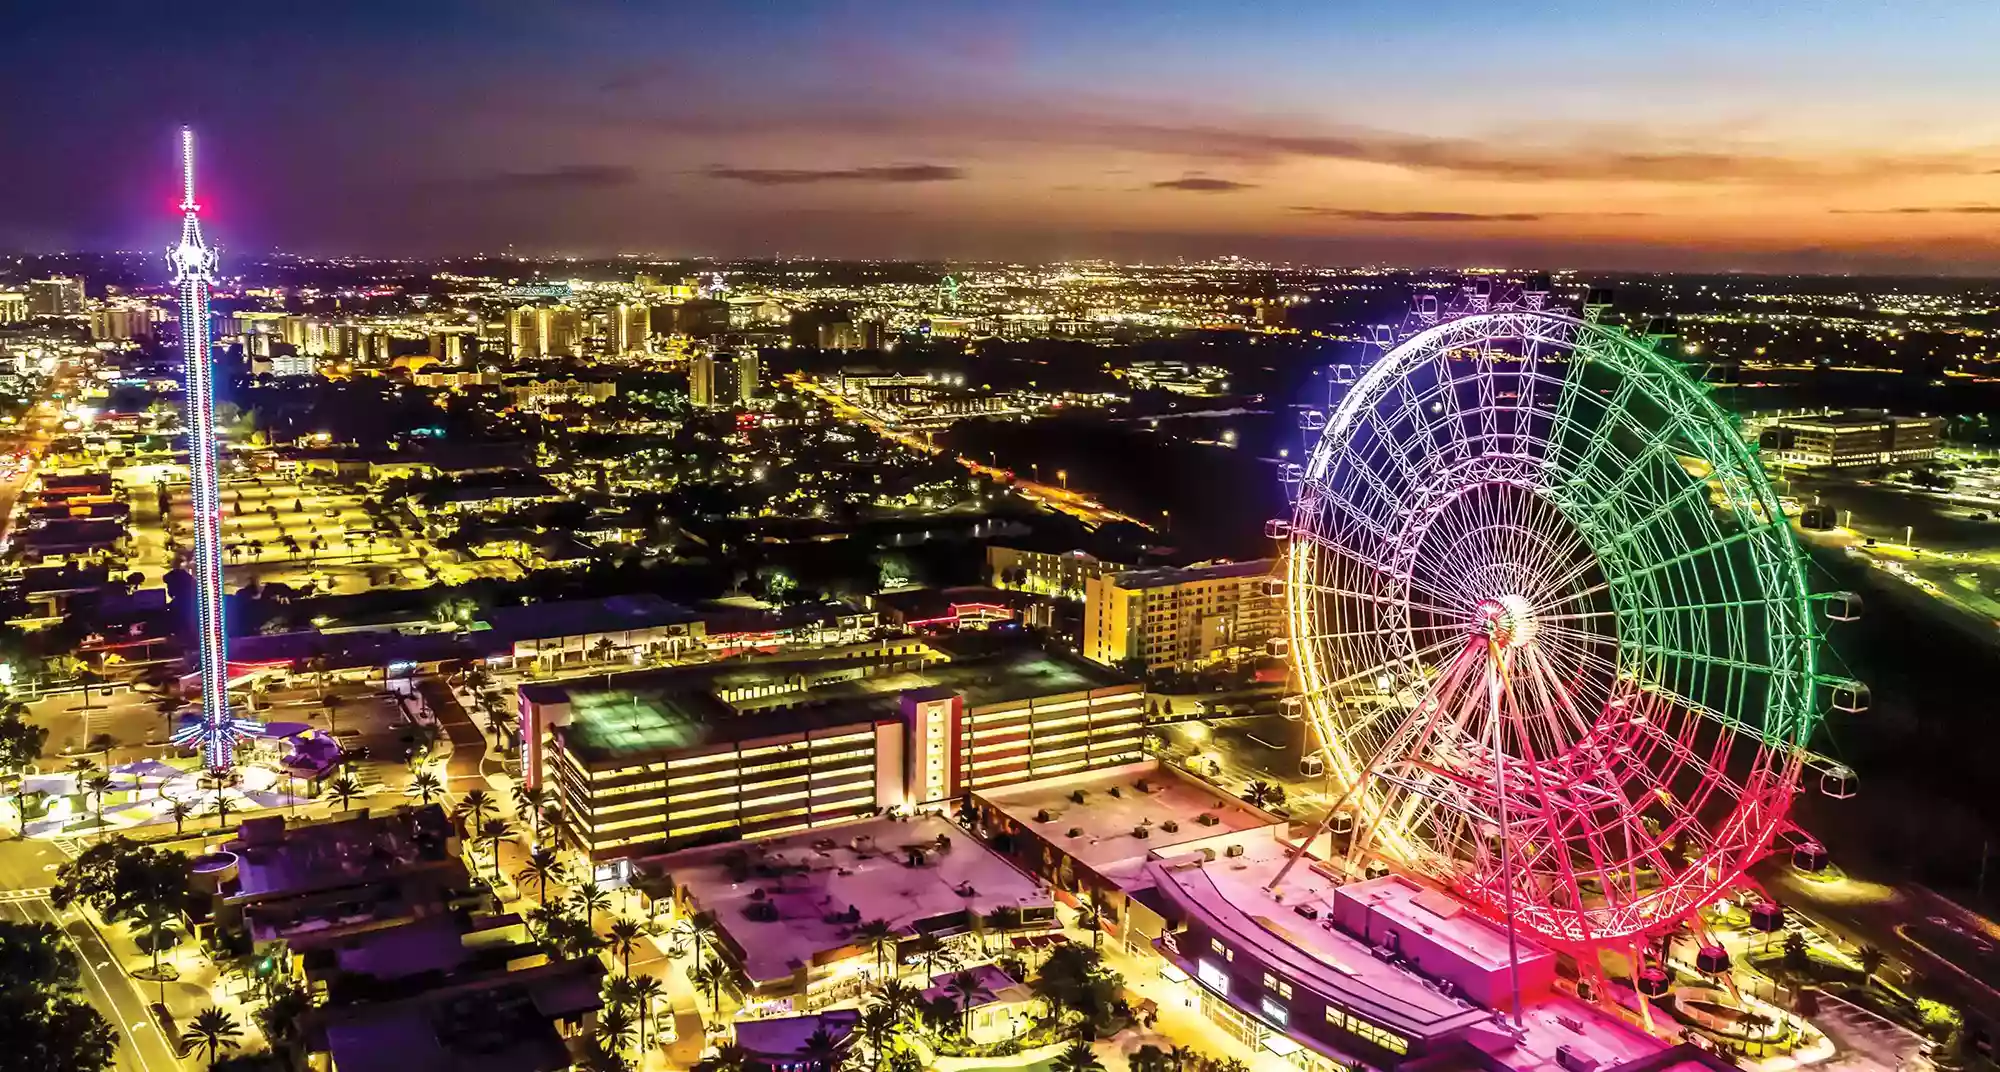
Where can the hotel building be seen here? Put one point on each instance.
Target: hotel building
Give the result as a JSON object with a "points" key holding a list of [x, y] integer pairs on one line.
{"points": [[1162, 619], [656, 760]]}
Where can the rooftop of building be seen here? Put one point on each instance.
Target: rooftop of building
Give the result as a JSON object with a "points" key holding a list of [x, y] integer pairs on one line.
{"points": [[1851, 419], [1170, 576], [580, 617], [1114, 808], [1438, 915], [1231, 893], [990, 983], [505, 1022], [275, 859], [822, 882], [785, 1036], [670, 709]]}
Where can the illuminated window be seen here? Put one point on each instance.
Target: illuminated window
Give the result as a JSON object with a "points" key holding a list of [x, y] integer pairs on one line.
{"points": [[1227, 953], [1280, 987], [1212, 976]]}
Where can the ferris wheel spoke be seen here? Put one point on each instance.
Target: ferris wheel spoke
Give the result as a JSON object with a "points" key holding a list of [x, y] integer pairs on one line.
{"points": [[1372, 597], [1386, 665], [1762, 528]]}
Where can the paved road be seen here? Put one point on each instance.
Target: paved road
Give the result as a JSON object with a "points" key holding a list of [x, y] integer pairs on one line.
{"points": [[27, 869], [468, 742]]}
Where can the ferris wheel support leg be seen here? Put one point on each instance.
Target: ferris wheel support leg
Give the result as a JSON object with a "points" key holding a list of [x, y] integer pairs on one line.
{"points": [[1645, 1003], [1389, 747]]}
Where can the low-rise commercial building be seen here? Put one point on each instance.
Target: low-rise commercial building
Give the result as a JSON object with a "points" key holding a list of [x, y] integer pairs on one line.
{"points": [[1854, 439], [789, 913], [1180, 619]]}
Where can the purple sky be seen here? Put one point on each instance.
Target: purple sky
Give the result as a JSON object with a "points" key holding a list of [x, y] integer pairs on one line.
{"points": [[1757, 134]]}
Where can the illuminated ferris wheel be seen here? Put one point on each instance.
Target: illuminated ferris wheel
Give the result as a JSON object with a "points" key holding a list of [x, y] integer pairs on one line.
{"points": [[1549, 623]]}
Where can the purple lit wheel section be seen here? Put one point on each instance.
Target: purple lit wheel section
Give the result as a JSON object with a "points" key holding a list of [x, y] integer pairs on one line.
{"points": [[1539, 593]]}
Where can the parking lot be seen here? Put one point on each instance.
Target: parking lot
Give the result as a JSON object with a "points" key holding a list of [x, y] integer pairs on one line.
{"points": [[300, 533]]}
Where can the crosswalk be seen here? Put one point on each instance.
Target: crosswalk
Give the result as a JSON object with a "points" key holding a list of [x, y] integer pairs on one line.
{"points": [[34, 894]]}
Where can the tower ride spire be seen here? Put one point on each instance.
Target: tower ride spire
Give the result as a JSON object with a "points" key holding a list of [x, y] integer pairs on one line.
{"points": [[194, 270]]}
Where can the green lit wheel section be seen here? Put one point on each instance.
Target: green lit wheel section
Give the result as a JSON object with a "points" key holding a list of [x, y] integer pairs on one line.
{"points": [[1549, 625]]}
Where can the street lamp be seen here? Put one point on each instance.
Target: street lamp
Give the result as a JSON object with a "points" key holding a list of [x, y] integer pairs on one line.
{"points": [[1063, 475]]}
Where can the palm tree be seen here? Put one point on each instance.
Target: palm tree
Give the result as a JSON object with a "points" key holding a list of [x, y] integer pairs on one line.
{"points": [[1231, 1064], [528, 803], [618, 991], [899, 996], [707, 977], [1871, 960], [473, 808], [624, 936], [97, 784], [156, 914], [1150, 1058], [542, 866], [426, 787], [1006, 919], [212, 1030], [700, 927], [1184, 1059], [493, 833], [506, 728], [1259, 793], [729, 1057], [220, 781], [878, 1026], [964, 986], [591, 897], [614, 1028], [819, 1050], [344, 789], [181, 810], [1078, 1058], [876, 934], [646, 993]]}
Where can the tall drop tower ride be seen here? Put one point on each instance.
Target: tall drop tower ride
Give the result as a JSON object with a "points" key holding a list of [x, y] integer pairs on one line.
{"points": [[194, 269]]}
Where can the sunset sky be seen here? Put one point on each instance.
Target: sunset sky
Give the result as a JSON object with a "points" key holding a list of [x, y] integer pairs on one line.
{"points": [[1820, 135]]}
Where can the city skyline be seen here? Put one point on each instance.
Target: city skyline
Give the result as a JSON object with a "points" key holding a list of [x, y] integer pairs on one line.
{"points": [[1800, 141]]}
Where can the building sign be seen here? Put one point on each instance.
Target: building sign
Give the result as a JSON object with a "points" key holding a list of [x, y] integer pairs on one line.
{"points": [[1212, 976]]}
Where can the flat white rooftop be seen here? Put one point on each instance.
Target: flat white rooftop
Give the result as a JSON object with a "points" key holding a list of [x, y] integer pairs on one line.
{"points": [[1108, 843], [866, 867], [1231, 893], [1440, 917]]}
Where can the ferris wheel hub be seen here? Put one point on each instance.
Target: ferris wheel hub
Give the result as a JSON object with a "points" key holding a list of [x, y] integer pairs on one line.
{"points": [[1508, 621]]}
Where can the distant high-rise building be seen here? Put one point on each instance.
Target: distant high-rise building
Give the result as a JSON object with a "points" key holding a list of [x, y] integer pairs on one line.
{"points": [[13, 306], [701, 380], [524, 332], [448, 347], [723, 380], [1179, 618], [561, 331], [120, 323], [840, 335], [294, 365], [634, 325], [55, 296]]}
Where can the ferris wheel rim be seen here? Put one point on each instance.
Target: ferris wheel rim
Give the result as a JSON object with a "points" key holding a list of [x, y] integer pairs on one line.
{"points": [[1416, 614]]}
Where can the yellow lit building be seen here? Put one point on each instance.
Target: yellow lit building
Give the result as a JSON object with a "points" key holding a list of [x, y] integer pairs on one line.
{"points": [[1163, 619]]}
